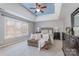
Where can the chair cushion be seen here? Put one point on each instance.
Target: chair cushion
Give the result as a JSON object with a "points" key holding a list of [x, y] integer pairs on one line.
{"points": [[32, 41]]}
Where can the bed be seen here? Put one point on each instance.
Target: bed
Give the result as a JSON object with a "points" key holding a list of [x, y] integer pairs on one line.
{"points": [[46, 34]]}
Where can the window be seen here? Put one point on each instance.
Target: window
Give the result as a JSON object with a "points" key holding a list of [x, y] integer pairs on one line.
{"points": [[14, 28]]}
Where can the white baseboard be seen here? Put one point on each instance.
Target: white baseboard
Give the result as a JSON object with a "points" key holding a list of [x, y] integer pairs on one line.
{"points": [[5, 45]]}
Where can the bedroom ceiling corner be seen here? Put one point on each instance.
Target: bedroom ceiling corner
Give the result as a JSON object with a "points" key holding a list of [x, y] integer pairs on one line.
{"points": [[47, 11], [45, 8]]}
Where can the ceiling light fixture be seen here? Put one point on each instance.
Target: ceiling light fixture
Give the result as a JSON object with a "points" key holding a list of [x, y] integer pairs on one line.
{"points": [[39, 7], [38, 10]]}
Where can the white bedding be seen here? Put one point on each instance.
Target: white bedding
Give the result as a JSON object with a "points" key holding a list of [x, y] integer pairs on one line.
{"points": [[42, 41], [45, 36]]}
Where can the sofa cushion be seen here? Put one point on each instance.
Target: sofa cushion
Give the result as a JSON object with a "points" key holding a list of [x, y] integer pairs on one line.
{"points": [[32, 41]]}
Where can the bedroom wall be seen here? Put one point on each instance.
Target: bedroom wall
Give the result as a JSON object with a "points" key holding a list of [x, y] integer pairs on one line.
{"points": [[51, 23], [54, 22], [64, 18], [65, 15], [1, 30], [51, 16], [18, 10], [15, 9]]}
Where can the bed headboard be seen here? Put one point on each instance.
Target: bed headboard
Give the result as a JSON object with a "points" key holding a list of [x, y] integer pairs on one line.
{"points": [[47, 30]]}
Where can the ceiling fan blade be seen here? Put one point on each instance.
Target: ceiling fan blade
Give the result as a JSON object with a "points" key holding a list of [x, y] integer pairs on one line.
{"points": [[41, 11], [37, 4], [32, 8], [35, 11], [44, 7]]}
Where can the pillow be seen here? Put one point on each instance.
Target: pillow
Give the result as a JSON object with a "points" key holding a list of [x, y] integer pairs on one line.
{"points": [[38, 35], [44, 31], [50, 31], [45, 37], [33, 36]]}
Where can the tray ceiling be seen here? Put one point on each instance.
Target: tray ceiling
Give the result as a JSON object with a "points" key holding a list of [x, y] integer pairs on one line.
{"points": [[49, 10]]}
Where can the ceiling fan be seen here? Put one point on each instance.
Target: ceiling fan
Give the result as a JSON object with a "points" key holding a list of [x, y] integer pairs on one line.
{"points": [[39, 7]]}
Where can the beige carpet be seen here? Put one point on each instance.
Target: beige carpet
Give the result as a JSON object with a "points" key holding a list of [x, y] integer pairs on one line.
{"points": [[22, 49]]}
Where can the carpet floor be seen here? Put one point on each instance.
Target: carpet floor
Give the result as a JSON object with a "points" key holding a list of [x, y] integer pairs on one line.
{"points": [[22, 49]]}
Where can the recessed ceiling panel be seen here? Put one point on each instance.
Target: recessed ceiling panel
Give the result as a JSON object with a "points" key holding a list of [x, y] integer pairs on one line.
{"points": [[49, 10]]}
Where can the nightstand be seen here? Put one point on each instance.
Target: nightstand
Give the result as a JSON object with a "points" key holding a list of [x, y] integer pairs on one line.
{"points": [[57, 35]]}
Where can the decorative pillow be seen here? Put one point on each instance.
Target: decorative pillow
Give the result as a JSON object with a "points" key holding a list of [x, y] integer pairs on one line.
{"points": [[44, 31], [45, 37], [50, 31], [38, 36], [33, 36]]}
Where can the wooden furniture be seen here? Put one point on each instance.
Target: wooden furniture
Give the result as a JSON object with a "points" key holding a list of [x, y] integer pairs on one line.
{"points": [[37, 41], [71, 42], [46, 46], [34, 39], [70, 45], [77, 45], [57, 35], [41, 38]]}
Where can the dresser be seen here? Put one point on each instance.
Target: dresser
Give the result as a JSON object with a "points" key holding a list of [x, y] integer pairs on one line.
{"points": [[57, 35], [70, 45]]}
